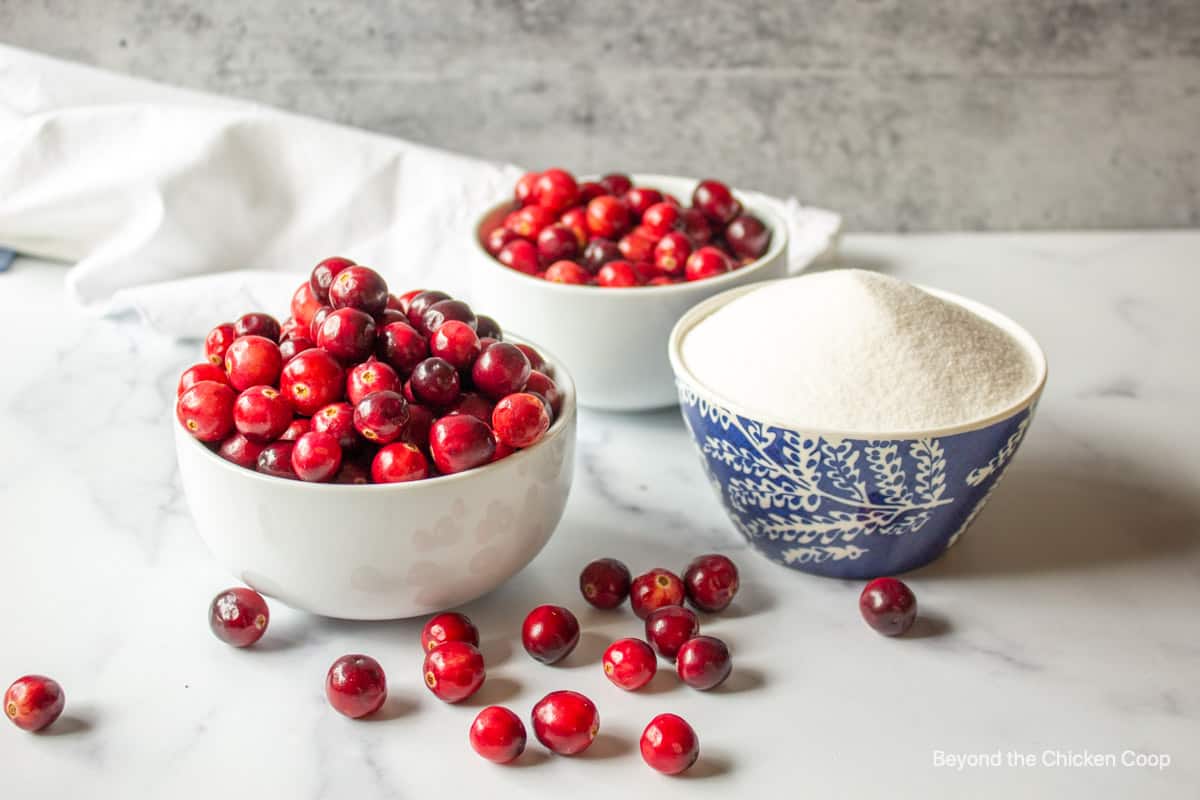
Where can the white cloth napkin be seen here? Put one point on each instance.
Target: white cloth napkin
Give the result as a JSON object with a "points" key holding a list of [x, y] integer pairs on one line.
{"points": [[187, 208]]}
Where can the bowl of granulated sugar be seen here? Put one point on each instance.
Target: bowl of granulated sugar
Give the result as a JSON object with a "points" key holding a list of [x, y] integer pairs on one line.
{"points": [[854, 425]]}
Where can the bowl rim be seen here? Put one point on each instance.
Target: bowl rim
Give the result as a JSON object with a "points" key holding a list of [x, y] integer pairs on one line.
{"points": [[707, 307], [564, 420], [779, 242]]}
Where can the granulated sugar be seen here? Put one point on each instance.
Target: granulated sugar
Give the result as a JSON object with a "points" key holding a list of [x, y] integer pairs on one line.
{"points": [[858, 352]]}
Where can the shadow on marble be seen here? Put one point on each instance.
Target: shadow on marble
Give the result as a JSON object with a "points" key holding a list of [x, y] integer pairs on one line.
{"points": [[665, 680], [711, 764], [496, 690], [606, 745], [532, 757], [752, 599], [395, 707], [69, 724], [929, 626], [742, 679], [588, 652], [496, 651]]}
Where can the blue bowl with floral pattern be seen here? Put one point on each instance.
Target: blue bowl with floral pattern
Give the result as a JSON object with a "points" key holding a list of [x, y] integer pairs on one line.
{"points": [[850, 505]]}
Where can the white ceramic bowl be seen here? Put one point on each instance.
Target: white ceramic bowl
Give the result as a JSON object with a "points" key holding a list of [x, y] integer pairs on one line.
{"points": [[614, 340], [383, 551]]}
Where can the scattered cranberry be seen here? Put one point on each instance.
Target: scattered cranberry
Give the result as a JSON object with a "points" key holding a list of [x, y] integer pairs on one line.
{"points": [[629, 664], [616, 183], [257, 324], [607, 216], [298, 428], [311, 380], [34, 701], [544, 386], [347, 334], [671, 253], [253, 361], [498, 735], [521, 255], [316, 457], [401, 346], [276, 460], [206, 410], [715, 201], [555, 243], [605, 583], [370, 376], [567, 272], [496, 239], [449, 626], [599, 252], [240, 450], [669, 744], [381, 416], [617, 275], [435, 381], [565, 722], [290, 347], [888, 606], [669, 627], [661, 218], [703, 662], [399, 462], [304, 305], [239, 616], [523, 191], [262, 414], [500, 370], [356, 686], [200, 372], [654, 590], [550, 633], [455, 343], [711, 581], [323, 275], [454, 671], [217, 343], [748, 237], [521, 419], [460, 442]]}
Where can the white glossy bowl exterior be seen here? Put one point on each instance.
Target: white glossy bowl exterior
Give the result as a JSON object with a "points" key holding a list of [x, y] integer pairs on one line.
{"points": [[614, 340], [386, 551]]}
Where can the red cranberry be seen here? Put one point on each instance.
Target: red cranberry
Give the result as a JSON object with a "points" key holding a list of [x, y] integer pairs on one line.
{"points": [[748, 237], [567, 272], [671, 252], [399, 462], [521, 419], [640, 198], [262, 414], [353, 473], [662, 280], [421, 302], [616, 183], [316, 457], [550, 633], [629, 664], [695, 226], [400, 345], [711, 581], [636, 247], [370, 376], [607, 216], [715, 201], [276, 460], [474, 404], [257, 324], [440, 313], [455, 343], [500, 370], [486, 326], [521, 255], [703, 662], [239, 616], [617, 275], [304, 306], [669, 627], [240, 450], [575, 220], [298, 428], [356, 686], [565, 722], [318, 319], [312, 380], [289, 328], [289, 347], [323, 275], [589, 190], [599, 252], [391, 315], [381, 416], [536, 362], [217, 343], [605, 583], [529, 221], [498, 735], [660, 218], [454, 671], [654, 590], [555, 243], [206, 410], [460, 442], [888, 606], [361, 288], [34, 701], [347, 334], [669, 744], [200, 372], [416, 432], [496, 239], [449, 626], [707, 262], [523, 191], [556, 190], [435, 382], [253, 361]]}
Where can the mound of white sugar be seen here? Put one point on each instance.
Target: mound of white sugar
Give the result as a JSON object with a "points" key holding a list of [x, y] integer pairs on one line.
{"points": [[857, 351]]}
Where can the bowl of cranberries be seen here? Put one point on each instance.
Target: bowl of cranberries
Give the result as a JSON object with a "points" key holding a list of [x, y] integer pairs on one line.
{"points": [[375, 455], [604, 268]]}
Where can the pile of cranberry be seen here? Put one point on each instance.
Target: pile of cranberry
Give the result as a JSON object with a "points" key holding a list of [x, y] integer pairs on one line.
{"points": [[363, 386], [611, 233]]}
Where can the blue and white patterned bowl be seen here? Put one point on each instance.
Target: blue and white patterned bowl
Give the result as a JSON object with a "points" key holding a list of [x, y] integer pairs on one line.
{"points": [[849, 505]]}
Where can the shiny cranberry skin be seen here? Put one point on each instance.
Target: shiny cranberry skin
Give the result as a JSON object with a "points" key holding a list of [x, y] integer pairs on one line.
{"points": [[460, 442], [318, 319], [617, 275], [707, 262], [347, 334], [402, 347], [262, 414], [440, 313], [521, 419], [449, 626], [616, 183], [555, 243], [605, 583], [550, 633], [629, 664], [565, 722], [523, 191], [239, 450], [290, 347], [380, 417], [661, 218], [748, 237], [34, 701], [402, 302], [454, 671], [399, 462], [276, 460], [529, 221], [420, 420], [496, 239], [888, 606], [575, 220], [253, 361], [500, 370], [421, 302], [536, 362], [257, 324], [608, 217], [654, 590], [238, 616], [636, 247], [695, 226], [715, 201], [567, 272], [486, 326], [669, 745], [356, 686], [298, 428], [703, 662], [711, 581], [312, 380], [589, 190], [435, 382], [316, 457], [521, 255], [370, 376], [391, 315], [671, 253], [323, 275], [200, 372], [669, 627], [498, 735], [217, 343], [599, 252], [455, 343], [640, 198], [206, 410], [361, 288], [555, 190], [474, 404], [304, 305]]}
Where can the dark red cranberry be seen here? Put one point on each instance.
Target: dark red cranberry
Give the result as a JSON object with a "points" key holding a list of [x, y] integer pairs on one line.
{"points": [[276, 460], [435, 382], [607, 216], [695, 226], [454, 671], [289, 328], [567, 272], [644, 272], [521, 419], [605, 583], [640, 199], [347, 334], [556, 190], [629, 664], [703, 662], [400, 345], [498, 735], [748, 237], [711, 581], [420, 420], [206, 410], [888, 606], [353, 473], [588, 190], [200, 372], [550, 633], [455, 343], [599, 252], [312, 380], [304, 305], [635, 247], [661, 218], [536, 362], [671, 253], [421, 302], [316, 457], [217, 343], [288, 348], [241, 451], [575, 220], [356, 686], [669, 745], [361, 288], [669, 627], [460, 442], [529, 221], [238, 616], [715, 201], [654, 590], [707, 262], [663, 280], [523, 191], [262, 414], [496, 239], [318, 319], [323, 275], [616, 183], [617, 275], [474, 404], [391, 315], [298, 428], [521, 255], [370, 376], [486, 326], [500, 370], [565, 722], [502, 451], [449, 626], [253, 361], [34, 701], [399, 462], [556, 243], [257, 324], [380, 417], [439, 314]]}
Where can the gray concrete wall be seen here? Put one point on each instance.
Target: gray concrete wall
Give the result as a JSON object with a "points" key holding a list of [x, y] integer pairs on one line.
{"points": [[903, 114]]}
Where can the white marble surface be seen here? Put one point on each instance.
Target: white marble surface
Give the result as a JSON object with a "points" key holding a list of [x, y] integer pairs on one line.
{"points": [[1065, 620]]}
